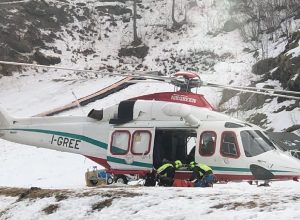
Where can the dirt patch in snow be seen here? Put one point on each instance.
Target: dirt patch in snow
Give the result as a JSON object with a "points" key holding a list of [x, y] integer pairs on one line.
{"points": [[34, 193], [100, 205], [245, 205], [62, 194], [51, 209]]}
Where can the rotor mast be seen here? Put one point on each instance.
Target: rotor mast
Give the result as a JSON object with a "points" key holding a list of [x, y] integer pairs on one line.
{"points": [[186, 81]]}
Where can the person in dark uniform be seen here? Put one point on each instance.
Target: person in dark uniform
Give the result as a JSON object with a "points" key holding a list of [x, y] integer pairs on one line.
{"points": [[202, 175], [166, 173]]}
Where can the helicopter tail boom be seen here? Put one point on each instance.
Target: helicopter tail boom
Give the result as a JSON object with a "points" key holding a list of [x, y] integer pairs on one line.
{"points": [[56, 133]]}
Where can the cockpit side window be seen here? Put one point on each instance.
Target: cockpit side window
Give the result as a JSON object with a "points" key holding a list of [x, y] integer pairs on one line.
{"points": [[255, 143], [229, 145], [207, 143]]}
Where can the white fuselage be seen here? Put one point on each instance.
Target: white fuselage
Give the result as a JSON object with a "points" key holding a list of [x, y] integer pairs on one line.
{"points": [[97, 138]]}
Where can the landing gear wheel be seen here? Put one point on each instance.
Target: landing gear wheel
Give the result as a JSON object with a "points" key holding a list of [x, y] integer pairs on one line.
{"points": [[109, 180], [150, 179], [121, 179]]}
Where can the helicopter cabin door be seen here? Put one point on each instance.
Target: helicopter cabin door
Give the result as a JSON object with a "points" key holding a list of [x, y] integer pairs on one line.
{"points": [[220, 150], [131, 149]]}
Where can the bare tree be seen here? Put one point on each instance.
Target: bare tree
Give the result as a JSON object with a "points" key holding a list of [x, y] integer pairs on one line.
{"points": [[136, 39], [177, 24], [266, 20]]}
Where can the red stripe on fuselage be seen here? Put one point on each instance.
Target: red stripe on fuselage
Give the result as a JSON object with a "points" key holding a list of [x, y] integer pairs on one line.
{"points": [[102, 162], [187, 175], [228, 177], [178, 97]]}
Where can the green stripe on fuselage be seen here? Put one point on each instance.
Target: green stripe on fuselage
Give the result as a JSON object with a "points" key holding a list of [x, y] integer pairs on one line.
{"points": [[134, 163], [234, 169], [86, 139], [65, 134], [122, 161]]}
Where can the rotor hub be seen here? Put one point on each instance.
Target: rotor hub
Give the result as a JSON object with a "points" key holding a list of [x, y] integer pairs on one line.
{"points": [[186, 80]]}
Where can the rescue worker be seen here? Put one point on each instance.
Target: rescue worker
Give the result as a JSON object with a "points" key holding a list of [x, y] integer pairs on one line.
{"points": [[166, 172], [203, 175]]}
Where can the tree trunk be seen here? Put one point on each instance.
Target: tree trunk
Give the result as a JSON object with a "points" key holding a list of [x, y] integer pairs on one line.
{"points": [[136, 40], [177, 24]]}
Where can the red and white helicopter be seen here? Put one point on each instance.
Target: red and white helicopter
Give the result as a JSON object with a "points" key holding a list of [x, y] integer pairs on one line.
{"points": [[136, 135]]}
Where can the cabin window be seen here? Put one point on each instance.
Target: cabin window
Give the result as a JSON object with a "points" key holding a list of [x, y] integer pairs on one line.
{"points": [[255, 143], [207, 143], [141, 142], [229, 146], [120, 142]]}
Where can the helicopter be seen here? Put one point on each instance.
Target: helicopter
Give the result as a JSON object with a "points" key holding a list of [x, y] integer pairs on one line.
{"points": [[135, 136]]}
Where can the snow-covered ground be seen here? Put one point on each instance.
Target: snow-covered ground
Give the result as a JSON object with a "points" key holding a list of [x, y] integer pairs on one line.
{"points": [[223, 201]]}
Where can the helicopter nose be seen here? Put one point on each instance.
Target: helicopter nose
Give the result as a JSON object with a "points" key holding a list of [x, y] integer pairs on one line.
{"points": [[292, 165], [275, 165]]}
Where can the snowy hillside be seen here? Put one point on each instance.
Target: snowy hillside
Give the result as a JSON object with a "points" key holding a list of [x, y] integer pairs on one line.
{"points": [[90, 35]]}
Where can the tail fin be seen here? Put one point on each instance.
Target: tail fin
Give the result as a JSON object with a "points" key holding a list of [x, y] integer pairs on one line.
{"points": [[5, 119]]}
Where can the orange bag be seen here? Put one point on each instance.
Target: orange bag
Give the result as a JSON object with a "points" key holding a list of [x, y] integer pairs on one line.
{"points": [[182, 183]]}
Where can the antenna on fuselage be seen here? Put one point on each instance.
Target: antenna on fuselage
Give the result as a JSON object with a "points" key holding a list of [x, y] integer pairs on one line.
{"points": [[77, 102]]}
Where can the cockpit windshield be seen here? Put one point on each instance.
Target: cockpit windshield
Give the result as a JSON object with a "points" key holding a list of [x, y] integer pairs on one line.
{"points": [[255, 143]]}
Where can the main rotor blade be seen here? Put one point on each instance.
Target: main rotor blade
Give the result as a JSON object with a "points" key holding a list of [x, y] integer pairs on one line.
{"points": [[142, 74], [168, 79], [13, 2], [251, 91], [147, 81], [260, 89]]}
